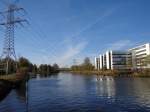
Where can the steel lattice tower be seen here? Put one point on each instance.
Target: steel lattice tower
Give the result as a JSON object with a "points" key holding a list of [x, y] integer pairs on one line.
{"points": [[9, 24]]}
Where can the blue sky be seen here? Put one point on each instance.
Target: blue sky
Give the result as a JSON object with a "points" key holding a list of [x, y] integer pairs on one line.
{"points": [[63, 30]]}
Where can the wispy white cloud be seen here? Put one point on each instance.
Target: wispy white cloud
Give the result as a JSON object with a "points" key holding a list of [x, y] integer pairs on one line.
{"points": [[76, 48], [97, 20], [119, 45], [67, 53], [64, 51], [70, 53]]}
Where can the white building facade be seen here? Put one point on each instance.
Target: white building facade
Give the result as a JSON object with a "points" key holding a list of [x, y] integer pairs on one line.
{"points": [[124, 60], [120, 60], [97, 63], [114, 60], [139, 54]]}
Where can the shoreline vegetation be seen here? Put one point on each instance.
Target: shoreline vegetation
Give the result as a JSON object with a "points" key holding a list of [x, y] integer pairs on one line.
{"points": [[143, 73], [87, 68], [25, 67]]}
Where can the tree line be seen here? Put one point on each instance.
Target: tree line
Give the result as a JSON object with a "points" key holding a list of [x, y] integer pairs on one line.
{"points": [[86, 65], [24, 64]]}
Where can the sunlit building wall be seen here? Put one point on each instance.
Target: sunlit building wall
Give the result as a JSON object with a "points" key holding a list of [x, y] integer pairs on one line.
{"points": [[101, 62], [113, 60], [139, 55], [120, 60], [133, 58], [97, 63], [104, 62]]}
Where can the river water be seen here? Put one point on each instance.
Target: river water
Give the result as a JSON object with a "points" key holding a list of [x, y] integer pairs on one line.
{"points": [[13, 100], [66, 92]]}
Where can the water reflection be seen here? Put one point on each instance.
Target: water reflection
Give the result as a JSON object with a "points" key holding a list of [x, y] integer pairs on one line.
{"points": [[105, 86], [142, 87], [5, 88], [75, 92], [12, 100], [125, 94], [40, 76]]}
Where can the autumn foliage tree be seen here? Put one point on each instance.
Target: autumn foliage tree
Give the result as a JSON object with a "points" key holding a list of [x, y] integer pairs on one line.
{"points": [[85, 66]]}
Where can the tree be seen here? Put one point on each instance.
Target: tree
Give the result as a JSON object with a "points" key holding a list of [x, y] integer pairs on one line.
{"points": [[87, 61], [87, 65], [34, 69], [23, 62], [75, 67], [55, 66], [11, 66], [45, 69]]}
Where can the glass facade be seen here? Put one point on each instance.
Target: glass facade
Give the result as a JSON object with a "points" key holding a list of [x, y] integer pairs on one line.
{"points": [[133, 58]]}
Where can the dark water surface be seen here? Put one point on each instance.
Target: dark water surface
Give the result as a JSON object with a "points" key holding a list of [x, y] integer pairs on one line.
{"points": [[12, 100], [83, 93]]}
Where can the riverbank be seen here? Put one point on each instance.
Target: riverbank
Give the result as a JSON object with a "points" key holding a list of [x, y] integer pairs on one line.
{"points": [[142, 73], [5, 87], [15, 80]]}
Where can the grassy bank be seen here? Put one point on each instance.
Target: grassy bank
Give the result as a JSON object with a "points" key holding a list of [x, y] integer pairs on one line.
{"points": [[94, 72], [141, 73]]}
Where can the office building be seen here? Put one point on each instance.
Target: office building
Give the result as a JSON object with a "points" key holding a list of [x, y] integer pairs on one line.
{"points": [[120, 60], [124, 60], [97, 63], [139, 55], [114, 60]]}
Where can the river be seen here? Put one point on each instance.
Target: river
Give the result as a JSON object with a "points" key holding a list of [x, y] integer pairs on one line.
{"points": [[13, 100], [66, 92]]}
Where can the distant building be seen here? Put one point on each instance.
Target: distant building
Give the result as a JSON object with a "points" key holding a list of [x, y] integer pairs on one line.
{"points": [[124, 60], [114, 60], [120, 60], [97, 63], [104, 61], [101, 61], [139, 54]]}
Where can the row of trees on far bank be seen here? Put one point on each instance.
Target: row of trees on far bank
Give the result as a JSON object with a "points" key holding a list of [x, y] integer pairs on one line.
{"points": [[45, 69], [26, 65], [85, 66]]}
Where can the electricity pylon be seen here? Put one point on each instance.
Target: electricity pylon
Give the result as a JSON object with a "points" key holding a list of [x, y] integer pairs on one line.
{"points": [[9, 23]]}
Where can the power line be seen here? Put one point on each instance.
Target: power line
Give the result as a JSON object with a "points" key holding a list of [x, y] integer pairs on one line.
{"points": [[9, 23]]}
